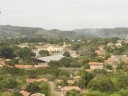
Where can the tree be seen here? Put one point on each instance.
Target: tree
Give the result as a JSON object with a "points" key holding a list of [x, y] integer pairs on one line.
{"points": [[38, 87], [76, 46], [95, 93], [6, 52], [12, 62], [25, 53], [55, 64], [86, 66], [66, 54], [43, 53], [65, 62], [107, 55], [123, 92], [102, 85], [6, 94], [85, 79], [122, 82], [73, 93], [33, 87], [10, 83]]}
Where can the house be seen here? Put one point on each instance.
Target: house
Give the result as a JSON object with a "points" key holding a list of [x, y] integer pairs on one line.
{"points": [[116, 59], [31, 66], [70, 82], [66, 89], [76, 78], [25, 93], [111, 61], [2, 62], [89, 70], [110, 44], [41, 66], [95, 65], [58, 81], [42, 80], [23, 45], [118, 45], [23, 66], [74, 53], [101, 47], [31, 80], [100, 52], [37, 94]]}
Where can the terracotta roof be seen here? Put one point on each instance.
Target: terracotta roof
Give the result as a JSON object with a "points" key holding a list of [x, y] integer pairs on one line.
{"points": [[37, 80], [31, 80], [39, 66], [89, 70], [58, 80], [99, 52], [25, 93], [95, 63], [2, 62], [77, 77], [70, 81], [37, 94], [68, 88], [42, 79], [23, 66]]}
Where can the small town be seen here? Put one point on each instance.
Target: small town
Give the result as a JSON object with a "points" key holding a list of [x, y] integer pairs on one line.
{"points": [[66, 68]]}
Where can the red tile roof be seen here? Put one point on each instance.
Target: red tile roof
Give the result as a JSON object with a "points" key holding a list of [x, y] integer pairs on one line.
{"points": [[31, 80], [25, 93], [23, 66], [95, 63]]}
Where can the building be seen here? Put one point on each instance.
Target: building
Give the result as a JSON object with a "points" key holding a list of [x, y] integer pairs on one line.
{"points": [[25, 93], [118, 45], [37, 94], [31, 80], [23, 66], [95, 65], [116, 59], [66, 89], [110, 44], [70, 82], [76, 78], [51, 58], [42, 80], [51, 48], [100, 52]]}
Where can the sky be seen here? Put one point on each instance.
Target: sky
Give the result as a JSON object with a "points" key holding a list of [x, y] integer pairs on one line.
{"points": [[64, 14]]}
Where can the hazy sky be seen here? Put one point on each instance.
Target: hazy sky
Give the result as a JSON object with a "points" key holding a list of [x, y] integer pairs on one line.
{"points": [[65, 14]]}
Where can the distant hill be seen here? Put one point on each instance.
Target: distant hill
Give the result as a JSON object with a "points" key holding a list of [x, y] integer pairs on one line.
{"points": [[8, 31], [104, 33]]}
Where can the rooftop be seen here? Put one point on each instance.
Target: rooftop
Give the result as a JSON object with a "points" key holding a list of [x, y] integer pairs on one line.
{"points": [[95, 63], [25, 93], [51, 58], [68, 88], [37, 94]]}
